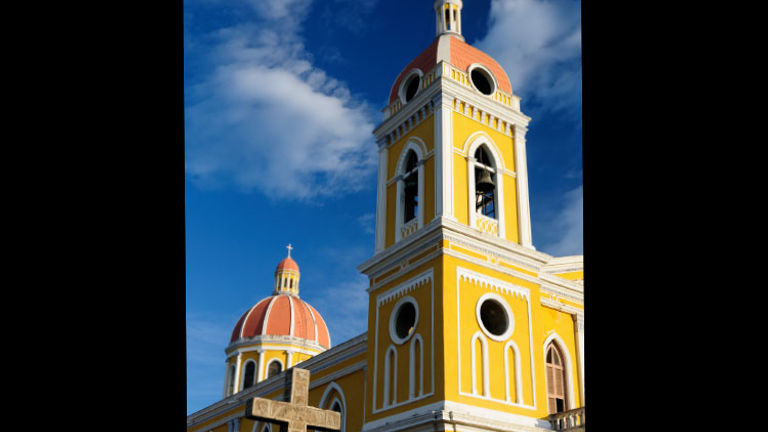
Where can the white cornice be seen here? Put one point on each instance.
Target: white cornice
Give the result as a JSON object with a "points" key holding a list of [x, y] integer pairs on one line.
{"points": [[565, 264], [553, 304], [273, 339], [446, 415]]}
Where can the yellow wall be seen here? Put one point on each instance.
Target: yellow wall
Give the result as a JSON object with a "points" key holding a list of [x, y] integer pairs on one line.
{"points": [[423, 294], [544, 321]]}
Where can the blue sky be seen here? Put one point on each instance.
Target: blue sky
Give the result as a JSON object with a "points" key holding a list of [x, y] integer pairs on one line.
{"points": [[281, 97]]}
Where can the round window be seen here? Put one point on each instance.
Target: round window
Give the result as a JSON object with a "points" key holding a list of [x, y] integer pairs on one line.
{"points": [[495, 317], [482, 81], [410, 86], [402, 323]]}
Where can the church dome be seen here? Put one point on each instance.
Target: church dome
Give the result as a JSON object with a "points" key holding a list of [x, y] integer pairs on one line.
{"points": [[282, 315], [452, 49], [287, 264]]}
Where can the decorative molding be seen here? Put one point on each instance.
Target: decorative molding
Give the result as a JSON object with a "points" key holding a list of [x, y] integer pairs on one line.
{"points": [[405, 287], [508, 310], [492, 284], [401, 289], [446, 415], [277, 342], [326, 404]]}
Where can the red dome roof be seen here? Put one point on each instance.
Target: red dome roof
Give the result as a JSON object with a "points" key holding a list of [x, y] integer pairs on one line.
{"points": [[282, 315], [287, 264], [456, 52]]}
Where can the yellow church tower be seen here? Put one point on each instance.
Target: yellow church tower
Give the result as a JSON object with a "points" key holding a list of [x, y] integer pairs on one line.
{"points": [[465, 316]]}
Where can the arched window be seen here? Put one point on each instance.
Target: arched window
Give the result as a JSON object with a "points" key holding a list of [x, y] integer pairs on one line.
{"points": [[409, 205], [556, 399], [336, 407], [485, 183], [274, 368], [411, 187], [231, 386], [250, 373]]}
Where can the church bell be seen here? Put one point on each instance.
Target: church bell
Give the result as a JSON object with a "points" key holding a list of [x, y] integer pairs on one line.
{"points": [[485, 183], [411, 185]]}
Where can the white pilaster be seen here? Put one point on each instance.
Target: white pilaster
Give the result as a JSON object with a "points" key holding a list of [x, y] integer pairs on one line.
{"points": [[578, 321], [288, 358], [381, 196], [443, 156], [260, 371], [239, 363], [523, 203]]}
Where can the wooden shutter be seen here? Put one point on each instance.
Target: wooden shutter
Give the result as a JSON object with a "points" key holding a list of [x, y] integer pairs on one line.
{"points": [[555, 378]]}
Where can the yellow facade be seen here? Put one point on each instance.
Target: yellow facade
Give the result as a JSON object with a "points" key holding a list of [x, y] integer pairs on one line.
{"points": [[460, 317]]}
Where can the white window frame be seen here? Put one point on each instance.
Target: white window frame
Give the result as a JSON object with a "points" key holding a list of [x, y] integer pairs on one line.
{"points": [[419, 148], [401, 91], [563, 348], [498, 166], [255, 373]]}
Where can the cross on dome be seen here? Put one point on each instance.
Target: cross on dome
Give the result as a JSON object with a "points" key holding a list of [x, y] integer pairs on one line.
{"points": [[290, 248]]}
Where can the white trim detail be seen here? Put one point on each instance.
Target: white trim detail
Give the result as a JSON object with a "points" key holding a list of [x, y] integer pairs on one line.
{"points": [[411, 284], [266, 314], [325, 404], [494, 81], [390, 370], [392, 320], [523, 203], [260, 371], [554, 337], [412, 368], [282, 366], [381, 199], [238, 363], [418, 147], [401, 91], [293, 315], [266, 427], [472, 144], [511, 345], [486, 381], [314, 321], [255, 373], [507, 310], [502, 287]]}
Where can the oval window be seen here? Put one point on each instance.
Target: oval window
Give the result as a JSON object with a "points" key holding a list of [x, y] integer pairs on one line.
{"points": [[482, 81], [412, 87]]}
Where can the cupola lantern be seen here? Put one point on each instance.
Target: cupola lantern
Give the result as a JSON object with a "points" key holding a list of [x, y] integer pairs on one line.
{"points": [[448, 15]]}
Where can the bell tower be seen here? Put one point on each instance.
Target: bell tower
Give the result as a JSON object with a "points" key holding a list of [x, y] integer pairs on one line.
{"points": [[452, 143], [455, 281]]}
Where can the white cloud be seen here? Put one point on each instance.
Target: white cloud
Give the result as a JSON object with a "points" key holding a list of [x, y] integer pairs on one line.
{"points": [[267, 119], [368, 222], [566, 230], [538, 43]]}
